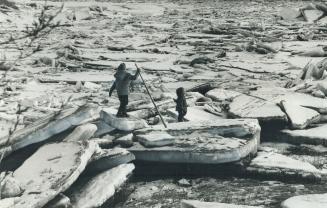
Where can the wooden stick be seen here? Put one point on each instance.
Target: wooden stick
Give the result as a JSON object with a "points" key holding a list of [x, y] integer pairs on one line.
{"points": [[146, 87]]}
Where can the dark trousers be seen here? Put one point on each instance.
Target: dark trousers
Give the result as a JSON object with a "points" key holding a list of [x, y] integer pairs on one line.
{"points": [[122, 110], [181, 115]]}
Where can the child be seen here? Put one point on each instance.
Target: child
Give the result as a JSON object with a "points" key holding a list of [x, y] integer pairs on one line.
{"points": [[121, 84], [181, 105]]}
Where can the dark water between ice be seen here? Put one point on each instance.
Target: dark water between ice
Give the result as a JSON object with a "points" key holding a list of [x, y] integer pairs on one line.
{"points": [[167, 193]]}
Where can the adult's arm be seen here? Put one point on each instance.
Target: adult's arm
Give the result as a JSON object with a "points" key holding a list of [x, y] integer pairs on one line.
{"points": [[133, 77], [113, 87]]}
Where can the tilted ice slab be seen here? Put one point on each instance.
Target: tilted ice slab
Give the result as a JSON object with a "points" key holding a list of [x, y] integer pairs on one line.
{"points": [[317, 135], [300, 117], [48, 127], [312, 15], [124, 124], [245, 106], [82, 132], [277, 165], [155, 139], [209, 142], [105, 159], [276, 95], [200, 204], [51, 170], [305, 100], [103, 128], [101, 188], [306, 201]]}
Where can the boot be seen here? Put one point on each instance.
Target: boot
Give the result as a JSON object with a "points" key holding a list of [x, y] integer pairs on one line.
{"points": [[119, 114]]}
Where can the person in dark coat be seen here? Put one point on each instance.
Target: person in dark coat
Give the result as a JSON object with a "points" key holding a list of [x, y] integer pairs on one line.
{"points": [[181, 105], [121, 84]]}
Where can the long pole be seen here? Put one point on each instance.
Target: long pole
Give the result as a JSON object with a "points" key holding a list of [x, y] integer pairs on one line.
{"points": [[146, 87]]}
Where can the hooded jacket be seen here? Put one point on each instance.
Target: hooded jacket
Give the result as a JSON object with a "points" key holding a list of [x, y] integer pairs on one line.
{"points": [[122, 82]]}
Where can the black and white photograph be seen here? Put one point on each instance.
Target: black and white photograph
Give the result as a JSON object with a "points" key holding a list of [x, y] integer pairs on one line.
{"points": [[163, 103]]}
